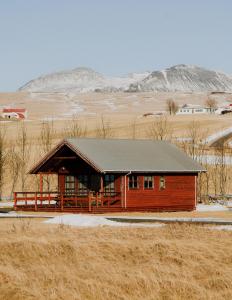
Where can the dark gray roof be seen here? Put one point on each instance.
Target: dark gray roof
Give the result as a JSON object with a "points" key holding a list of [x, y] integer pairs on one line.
{"points": [[121, 155]]}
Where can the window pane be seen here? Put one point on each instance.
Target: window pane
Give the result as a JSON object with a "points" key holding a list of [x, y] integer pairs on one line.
{"points": [[109, 185], [69, 184], [148, 182], [162, 182], [83, 185], [133, 182]]}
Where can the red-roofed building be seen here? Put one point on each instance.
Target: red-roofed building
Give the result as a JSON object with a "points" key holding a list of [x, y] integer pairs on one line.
{"points": [[14, 113]]}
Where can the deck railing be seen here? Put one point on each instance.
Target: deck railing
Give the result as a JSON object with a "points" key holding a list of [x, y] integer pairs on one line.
{"points": [[60, 201]]}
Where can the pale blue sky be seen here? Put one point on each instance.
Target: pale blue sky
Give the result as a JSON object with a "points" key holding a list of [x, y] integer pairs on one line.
{"points": [[113, 37]]}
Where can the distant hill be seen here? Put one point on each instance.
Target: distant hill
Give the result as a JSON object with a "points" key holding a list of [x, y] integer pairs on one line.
{"points": [[184, 78], [81, 80], [179, 78]]}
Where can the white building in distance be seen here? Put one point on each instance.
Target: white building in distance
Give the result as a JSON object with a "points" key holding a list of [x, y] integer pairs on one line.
{"points": [[188, 109]]}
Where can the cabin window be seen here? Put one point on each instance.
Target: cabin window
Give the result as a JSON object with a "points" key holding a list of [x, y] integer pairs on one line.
{"points": [[69, 184], [109, 185], [133, 182], [148, 182], [83, 185], [162, 183]]}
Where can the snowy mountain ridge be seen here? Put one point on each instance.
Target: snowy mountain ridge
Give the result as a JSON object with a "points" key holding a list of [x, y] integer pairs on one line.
{"points": [[182, 78], [81, 80]]}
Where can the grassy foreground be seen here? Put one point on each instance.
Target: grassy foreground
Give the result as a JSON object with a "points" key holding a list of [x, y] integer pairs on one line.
{"points": [[40, 261]]}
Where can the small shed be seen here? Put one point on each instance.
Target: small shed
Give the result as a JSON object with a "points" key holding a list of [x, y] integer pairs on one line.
{"points": [[14, 113]]}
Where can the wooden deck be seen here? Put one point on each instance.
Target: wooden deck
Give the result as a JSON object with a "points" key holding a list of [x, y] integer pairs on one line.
{"points": [[59, 202]]}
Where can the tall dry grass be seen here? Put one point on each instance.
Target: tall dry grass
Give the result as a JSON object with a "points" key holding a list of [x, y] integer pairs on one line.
{"points": [[41, 261]]}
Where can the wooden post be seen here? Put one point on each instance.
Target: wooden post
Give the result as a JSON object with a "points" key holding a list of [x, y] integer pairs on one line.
{"points": [[15, 200], [76, 199], [41, 186], [121, 191], [36, 208], [195, 191], [61, 201], [125, 188], [89, 198], [102, 190]]}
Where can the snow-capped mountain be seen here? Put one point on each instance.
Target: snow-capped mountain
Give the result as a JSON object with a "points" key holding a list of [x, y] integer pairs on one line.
{"points": [[184, 78], [81, 80]]}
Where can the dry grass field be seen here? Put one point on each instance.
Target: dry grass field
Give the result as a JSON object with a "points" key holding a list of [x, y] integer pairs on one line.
{"points": [[120, 109], [61, 105], [40, 261], [122, 113]]}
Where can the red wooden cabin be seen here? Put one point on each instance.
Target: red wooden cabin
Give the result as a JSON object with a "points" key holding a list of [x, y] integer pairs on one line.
{"points": [[101, 175]]}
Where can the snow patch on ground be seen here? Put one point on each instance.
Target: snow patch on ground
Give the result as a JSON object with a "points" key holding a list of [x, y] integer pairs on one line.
{"points": [[218, 135], [9, 214], [6, 204], [15, 215], [215, 207], [93, 221], [221, 227], [214, 159]]}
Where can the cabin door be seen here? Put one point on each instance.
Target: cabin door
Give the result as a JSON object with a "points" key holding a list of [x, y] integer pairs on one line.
{"points": [[95, 183]]}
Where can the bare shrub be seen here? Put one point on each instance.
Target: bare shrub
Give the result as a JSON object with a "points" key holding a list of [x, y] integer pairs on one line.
{"points": [[23, 149], [171, 107], [222, 169], [195, 145], [75, 128], [211, 103], [104, 129], [196, 136], [160, 129], [14, 164], [47, 134]]}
